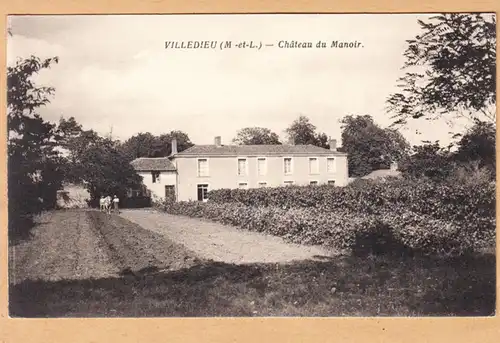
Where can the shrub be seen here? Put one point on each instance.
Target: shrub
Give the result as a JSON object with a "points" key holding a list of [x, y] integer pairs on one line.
{"points": [[377, 239], [399, 215], [440, 200], [386, 232]]}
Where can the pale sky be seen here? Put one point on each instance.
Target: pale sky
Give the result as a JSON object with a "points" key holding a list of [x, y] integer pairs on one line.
{"points": [[114, 71]]}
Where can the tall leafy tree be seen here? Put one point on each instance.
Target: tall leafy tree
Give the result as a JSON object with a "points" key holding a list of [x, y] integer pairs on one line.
{"points": [[149, 145], [107, 171], [256, 136], [428, 160], [478, 145], [34, 173], [165, 142], [140, 145], [302, 131], [75, 141], [451, 70], [369, 146]]}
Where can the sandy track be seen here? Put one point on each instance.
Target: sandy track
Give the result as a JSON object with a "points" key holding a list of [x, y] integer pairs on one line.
{"points": [[221, 242]]}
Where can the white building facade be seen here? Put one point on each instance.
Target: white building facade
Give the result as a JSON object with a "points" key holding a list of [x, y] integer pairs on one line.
{"points": [[191, 174]]}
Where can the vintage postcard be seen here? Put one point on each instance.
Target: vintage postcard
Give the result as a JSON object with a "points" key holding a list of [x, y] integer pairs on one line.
{"points": [[252, 165]]}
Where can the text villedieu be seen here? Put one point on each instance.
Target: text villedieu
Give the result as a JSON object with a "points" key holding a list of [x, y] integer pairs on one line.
{"points": [[282, 44]]}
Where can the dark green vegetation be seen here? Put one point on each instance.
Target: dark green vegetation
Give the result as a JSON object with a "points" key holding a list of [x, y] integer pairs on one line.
{"points": [[450, 70], [346, 287], [144, 286], [420, 215], [369, 146], [400, 233], [33, 163]]}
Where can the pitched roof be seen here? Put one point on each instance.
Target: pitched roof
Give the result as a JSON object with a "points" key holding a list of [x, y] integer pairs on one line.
{"points": [[152, 164], [256, 150]]}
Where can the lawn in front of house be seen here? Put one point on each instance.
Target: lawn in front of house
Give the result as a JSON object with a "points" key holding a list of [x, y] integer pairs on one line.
{"points": [[340, 286]]}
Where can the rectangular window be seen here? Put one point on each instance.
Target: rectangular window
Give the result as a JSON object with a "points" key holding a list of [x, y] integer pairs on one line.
{"points": [[313, 183], [242, 167], [262, 184], [313, 165], [170, 192], [155, 175], [202, 167], [288, 183], [261, 166], [330, 165], [287, 165], [331, 182], [203, 192], [242, 185]]}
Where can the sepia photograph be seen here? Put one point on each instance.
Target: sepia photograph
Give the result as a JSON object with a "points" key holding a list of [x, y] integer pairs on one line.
{"points": [[251, 165]]}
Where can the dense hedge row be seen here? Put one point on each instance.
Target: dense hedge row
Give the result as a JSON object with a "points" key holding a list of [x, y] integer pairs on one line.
{"points": [[417, 215], [440, 200], [344, 229]]}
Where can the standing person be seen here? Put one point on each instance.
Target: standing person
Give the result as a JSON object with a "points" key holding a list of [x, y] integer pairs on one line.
{"points": [[101, 203], [116, 201]]}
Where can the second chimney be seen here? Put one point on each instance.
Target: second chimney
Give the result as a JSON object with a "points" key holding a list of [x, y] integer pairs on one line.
{"points": [[174, 147], [333, 144], [217, 141]]}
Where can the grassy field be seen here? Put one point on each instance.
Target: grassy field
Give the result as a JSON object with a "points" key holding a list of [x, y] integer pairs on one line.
{"points": [[155, 277]]}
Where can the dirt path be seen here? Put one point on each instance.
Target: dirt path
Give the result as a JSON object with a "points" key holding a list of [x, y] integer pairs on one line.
{"points": [[63, 246], [134, 249], [223, 243], [82, 245]]}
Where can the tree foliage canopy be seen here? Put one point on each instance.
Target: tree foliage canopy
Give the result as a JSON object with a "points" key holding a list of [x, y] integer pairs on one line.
{"points": [[75, 141], [369, 146], [33, 162], [475, 151], [478, 145], [428, 160], [97, 162], [451, 69], [256, 136], [107, 171], [149, 145], [302, 131]]}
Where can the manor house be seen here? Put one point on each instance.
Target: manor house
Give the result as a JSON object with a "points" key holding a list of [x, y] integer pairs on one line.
{"points": [[190, 174]]}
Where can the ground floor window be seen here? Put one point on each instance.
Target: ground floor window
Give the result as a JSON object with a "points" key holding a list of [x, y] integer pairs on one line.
{"points": [[331, 182], [170, 192], [243, 185], [288, 183], [262, 184], [313, 183], [202, 192]]}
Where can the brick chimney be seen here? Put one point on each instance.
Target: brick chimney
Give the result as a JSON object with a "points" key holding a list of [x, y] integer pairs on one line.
{"points": [[333, 144], [217, 141], [174, 147]]}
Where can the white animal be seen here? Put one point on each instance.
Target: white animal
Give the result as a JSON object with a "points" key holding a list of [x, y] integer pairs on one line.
{"points": [[105, 204], [109, 203]]}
